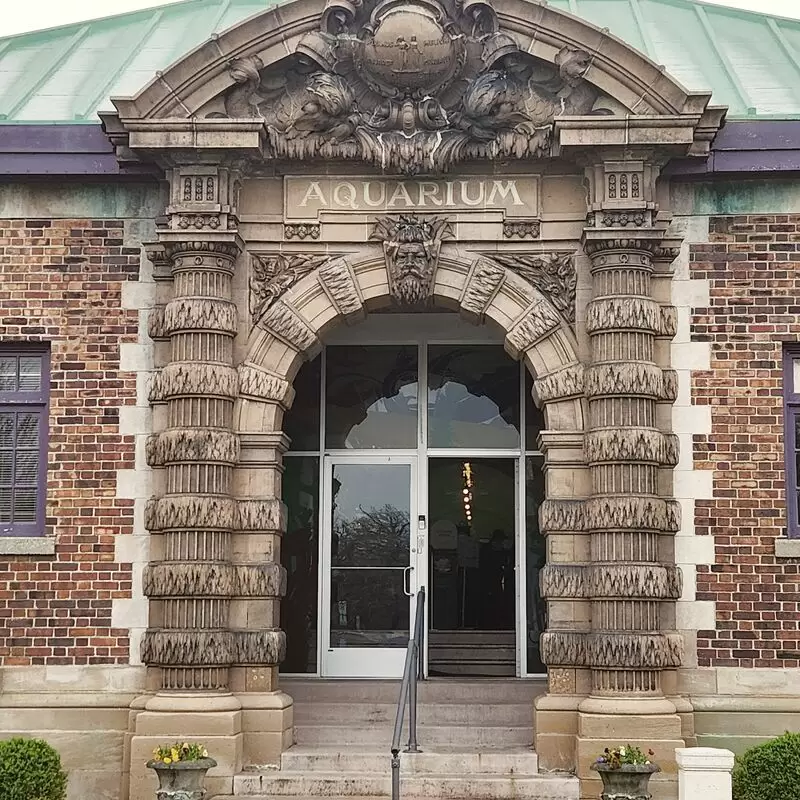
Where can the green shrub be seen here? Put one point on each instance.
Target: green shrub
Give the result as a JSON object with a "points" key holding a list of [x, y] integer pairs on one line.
{"points": [[769, 771], [30, 769]]}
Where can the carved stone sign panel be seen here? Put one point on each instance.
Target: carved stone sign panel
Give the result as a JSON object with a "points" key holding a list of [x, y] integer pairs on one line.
{"points": [[305, 198], [411, 86]]}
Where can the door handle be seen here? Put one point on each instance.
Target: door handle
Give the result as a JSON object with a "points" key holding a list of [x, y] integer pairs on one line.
{"points": [[407, 581]]}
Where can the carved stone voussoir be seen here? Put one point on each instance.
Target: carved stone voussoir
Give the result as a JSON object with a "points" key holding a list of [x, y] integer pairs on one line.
{"points": [[411, 246], [263, 385], [563, 648], [414, 87], [200, 314], [193, 579], [339, 283], [562, 516], [184, 512], [483, 284], [259, 580], [559, 385], [645, 445], [553, 274], [645, 581], [188, 648], [264, 647], [626, 313], [539, 320], [262, 515], [273, 274], [192, 444], [182, 379], [634, 650], [284, 322], [632, 513], [562, 580]]}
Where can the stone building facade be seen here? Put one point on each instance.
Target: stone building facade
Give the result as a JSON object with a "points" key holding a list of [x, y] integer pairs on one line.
{"points": [[509, 167]]}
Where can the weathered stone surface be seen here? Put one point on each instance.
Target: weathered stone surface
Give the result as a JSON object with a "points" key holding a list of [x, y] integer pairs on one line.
{"points": [[483, 283], [669, 321], [566, 382], [562, 515], [261, 515], [339, 283], [670, 385], [259, 580], [284, 322], [259, 647], [625, 313], [192, 579], [182, 512], [643, 445], [200, 314], [562, 580], [156, 324], [263, 385], [563, 648], [184, 378], [187, 647], [641, 513], [192, 444]]}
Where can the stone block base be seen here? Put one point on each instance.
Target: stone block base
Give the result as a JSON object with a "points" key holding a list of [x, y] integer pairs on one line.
{"points": [[268, 726]]}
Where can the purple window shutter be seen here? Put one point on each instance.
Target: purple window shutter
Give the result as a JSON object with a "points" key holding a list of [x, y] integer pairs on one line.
{"points": [[24, 390], [791, 440]]}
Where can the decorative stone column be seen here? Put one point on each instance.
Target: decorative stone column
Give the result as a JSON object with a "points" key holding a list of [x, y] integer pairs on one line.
{"points": [[192, 579], [632, 580]]}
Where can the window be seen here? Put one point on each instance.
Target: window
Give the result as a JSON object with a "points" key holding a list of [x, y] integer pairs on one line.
{"points": [[24, 386]]}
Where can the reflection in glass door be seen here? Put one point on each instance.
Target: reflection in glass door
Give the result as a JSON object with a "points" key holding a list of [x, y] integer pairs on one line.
{"points": [[368, 569]]}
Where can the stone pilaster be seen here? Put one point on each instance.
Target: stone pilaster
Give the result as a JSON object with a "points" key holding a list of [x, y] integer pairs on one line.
{"points": [[632, 581]]}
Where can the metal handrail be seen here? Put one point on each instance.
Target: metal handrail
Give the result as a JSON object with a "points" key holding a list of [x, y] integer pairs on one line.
{"points": [[412, 672]]}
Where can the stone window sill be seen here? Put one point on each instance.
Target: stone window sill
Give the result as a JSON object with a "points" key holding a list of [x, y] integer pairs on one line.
{"points": [[27, 545], [787, 548]]}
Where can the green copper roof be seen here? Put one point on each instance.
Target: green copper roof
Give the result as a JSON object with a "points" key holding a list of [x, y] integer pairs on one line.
{"points": [[750, 61]]}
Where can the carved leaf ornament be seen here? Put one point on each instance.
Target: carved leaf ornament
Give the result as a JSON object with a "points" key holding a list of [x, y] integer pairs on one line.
{"points": [[410, 86], [273, 274]]}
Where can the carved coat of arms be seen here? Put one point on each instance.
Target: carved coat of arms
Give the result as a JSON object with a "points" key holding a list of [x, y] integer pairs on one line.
{"points": [[410, 86]]}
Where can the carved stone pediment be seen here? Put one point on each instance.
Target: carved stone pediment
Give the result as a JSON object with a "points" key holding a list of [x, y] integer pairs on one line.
{"points": [[410, 86]]}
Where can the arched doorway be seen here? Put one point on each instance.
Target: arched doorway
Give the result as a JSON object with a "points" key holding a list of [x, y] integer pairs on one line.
{"points": [[413, 461]]}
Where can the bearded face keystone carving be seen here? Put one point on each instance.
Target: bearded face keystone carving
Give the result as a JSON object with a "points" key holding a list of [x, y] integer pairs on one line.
{"points": [[411, 245]]}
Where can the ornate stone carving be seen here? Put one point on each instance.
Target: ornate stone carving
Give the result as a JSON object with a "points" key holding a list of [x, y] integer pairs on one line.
{"points": [[196, 648], [624, 218], [669, 388], [301, 230], [192, 444], [200, 222], [410, 86], [259, 580], [637, 313], [562, 515], [188, 579], [538, 321], [262, 515], [634, 650], [483, 284], [272, 274], [669, 321], [522, 228], [340, 285], [630, 444], [632, 513], [563, 647], [188, 378], [562, 580], [186, 512], [565, 382], [553, 274], [257, 382], [156, 329], [259, 647], [200, 313], [411, 245], [283, 321], [625, 378], [651, 581]]}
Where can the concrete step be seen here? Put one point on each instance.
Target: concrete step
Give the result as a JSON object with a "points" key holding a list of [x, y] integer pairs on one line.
{"points": [[427, 713], [494, 638], [513, 761], [474, 667], [417, 787], [436, 690], [484, 736]]}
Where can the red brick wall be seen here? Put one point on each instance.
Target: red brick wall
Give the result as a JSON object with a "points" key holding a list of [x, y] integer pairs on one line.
{"points": [[61, 283], [753, 265]]}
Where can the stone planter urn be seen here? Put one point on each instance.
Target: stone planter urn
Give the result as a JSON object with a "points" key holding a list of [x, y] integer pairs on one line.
{"points": [[182, 780], [626, 782]]}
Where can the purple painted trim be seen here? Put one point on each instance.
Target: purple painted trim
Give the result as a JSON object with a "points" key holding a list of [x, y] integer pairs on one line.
{"points": [[791, 409], [38, 402]]}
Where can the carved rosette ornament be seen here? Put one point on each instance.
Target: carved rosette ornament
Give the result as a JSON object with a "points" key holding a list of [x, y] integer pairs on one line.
{"points": [[410, 86], [411, 245]]}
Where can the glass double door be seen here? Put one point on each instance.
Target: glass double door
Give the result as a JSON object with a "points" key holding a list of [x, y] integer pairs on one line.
{"points": [[370, 566]]}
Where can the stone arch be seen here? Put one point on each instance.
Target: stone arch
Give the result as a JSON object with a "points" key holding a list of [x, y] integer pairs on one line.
{"points": [[338, 291]]}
